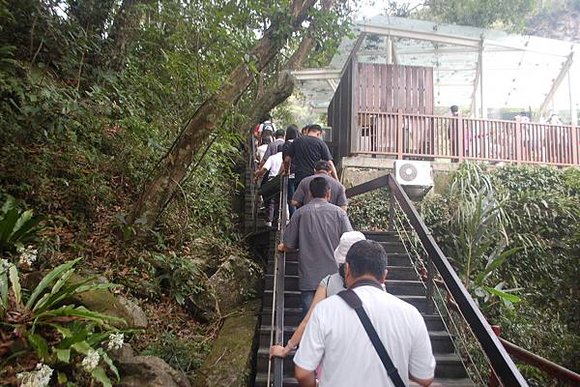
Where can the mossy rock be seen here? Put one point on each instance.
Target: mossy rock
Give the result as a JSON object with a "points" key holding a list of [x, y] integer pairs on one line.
{"points": [[229, 363], [234, 282], [106, 302]]}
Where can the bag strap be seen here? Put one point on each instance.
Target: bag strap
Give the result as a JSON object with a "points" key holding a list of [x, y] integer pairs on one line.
{"points": [[351, 298]]}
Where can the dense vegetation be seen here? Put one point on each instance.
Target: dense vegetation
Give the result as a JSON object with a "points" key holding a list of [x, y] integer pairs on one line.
{"points": [[512, 234], [94, 95]]}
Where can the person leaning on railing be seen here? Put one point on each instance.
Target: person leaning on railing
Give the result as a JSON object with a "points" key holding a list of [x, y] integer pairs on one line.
{"points": [[330, 285]]}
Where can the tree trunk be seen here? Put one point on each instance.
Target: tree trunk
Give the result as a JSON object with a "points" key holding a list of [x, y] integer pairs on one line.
{"points": [[270, 97], [125, 23], [173, 169]]}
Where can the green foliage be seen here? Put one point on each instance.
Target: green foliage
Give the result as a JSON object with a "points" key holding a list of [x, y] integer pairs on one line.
{"points": [[471, 222], [370, 211], [489, 13], [537, 225], [91, 101], [179, 275], [183, 354], [16, 227], [47, 326]]}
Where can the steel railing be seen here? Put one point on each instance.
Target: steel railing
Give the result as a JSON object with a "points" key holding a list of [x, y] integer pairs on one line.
{"points": [[497, 356], [276, 365]]}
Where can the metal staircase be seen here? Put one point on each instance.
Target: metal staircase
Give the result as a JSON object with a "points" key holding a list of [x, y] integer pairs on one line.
{"points": [[402, 281]]}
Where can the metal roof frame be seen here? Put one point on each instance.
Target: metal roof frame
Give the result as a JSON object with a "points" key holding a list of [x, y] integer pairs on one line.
{"points": [[451, 43]]}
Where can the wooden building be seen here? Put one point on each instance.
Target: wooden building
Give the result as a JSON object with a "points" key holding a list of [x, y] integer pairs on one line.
{"points": [[366, 93]]}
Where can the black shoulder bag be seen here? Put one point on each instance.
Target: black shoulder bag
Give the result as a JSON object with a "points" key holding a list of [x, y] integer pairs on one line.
{"points": [[350, 297]]}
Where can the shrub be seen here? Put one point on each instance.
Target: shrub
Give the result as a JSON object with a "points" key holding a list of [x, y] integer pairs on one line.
{"points": [[41, 324]]}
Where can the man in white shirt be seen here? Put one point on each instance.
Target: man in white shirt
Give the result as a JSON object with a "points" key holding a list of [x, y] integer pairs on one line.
{"points": [[336, 340]]}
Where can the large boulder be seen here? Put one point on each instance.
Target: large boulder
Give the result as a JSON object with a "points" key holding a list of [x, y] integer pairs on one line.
{"points": [[104, 301], [150, 371], [234, 282]]}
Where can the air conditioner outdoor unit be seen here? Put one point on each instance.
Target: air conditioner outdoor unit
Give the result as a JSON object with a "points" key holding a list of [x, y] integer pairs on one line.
{"points": [[415, 177]]}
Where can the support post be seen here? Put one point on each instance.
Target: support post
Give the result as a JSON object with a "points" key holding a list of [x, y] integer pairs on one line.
{"points": [[389, 44], [400, 133], [519, 142], [573, 115], [565, 70], [391, 211], [483, 108], [461, 138]]}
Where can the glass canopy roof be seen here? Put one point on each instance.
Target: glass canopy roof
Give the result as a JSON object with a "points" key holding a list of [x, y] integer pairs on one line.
{"points": [[483, 71]]}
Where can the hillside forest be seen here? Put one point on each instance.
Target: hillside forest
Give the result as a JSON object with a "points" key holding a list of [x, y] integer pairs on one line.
{"points": [[123, 126]]}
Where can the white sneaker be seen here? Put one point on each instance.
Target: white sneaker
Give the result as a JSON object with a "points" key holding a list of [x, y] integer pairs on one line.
{"points": [[268, 224]]}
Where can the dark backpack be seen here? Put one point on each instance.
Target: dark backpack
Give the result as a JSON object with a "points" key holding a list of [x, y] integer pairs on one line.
{"points": [[267, 129], [280, 147]]}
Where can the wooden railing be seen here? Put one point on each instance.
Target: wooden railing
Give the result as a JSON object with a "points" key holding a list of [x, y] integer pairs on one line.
{"points": [[458, 138]]}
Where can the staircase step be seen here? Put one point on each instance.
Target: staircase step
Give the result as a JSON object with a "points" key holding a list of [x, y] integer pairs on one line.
{"points": [[441, 342], [448, 365], [263, 360], [292, 316], [405, 287], [441, 383], [291, 268], [393, 247], [262, 380], [265, 334], [382, 236], [399, 259], [401, 273], [291, 298], [290, 282], [434, 322]]}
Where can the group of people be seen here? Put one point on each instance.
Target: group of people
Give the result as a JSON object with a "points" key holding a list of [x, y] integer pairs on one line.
{"points": [[339, 270], [298, 154]]}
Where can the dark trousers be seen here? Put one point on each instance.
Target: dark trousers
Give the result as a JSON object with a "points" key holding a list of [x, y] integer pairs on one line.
{"points": [[291, 190], [306, 297]]}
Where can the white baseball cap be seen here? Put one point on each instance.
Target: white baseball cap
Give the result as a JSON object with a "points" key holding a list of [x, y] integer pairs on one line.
{"points": [[347, 239]]}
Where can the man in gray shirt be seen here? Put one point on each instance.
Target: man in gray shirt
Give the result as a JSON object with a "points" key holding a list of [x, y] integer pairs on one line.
{"points": [[315, 230], [322, 168]]}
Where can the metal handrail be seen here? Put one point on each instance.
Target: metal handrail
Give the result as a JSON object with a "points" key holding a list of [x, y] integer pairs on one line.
{"points": [[555, 370], [277, 319], [502, 364]]}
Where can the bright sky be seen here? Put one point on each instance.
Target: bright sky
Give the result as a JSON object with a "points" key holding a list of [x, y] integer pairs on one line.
{"points": [[371, 8]]}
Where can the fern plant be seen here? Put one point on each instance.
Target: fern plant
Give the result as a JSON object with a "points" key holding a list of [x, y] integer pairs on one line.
{"points": [[42, 322]]}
